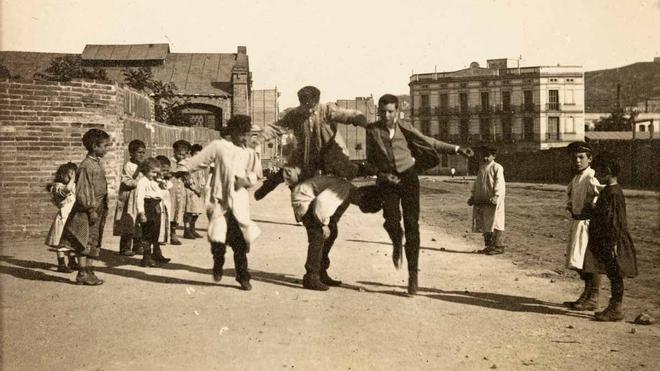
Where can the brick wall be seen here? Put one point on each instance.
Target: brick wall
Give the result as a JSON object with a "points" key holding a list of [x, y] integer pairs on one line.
{"points": [[42, 126]]}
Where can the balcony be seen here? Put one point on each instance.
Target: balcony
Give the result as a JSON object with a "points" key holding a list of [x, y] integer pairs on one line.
{"points": [[505, 109], [463, 110], [443, 111], [528, 107], [483, 110], [553, 106]]}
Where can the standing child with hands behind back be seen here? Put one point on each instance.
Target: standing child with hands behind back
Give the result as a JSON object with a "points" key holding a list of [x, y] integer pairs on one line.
{"points": [[487, 200], [63, 190], [149, 193]]}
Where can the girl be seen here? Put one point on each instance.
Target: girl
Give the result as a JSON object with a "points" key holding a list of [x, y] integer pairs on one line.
{"points": [[149, 192], [610, 249], [63, 190], [125, 224]]}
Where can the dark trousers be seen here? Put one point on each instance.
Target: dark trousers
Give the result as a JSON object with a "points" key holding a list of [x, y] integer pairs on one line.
{"points": [[608, 259], [494, 238], [398, 198], [237, 242], [151, 229], [318, 249]]}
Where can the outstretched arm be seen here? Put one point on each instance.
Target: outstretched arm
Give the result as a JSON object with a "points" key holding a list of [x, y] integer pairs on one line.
{"points": [[346, 116]]}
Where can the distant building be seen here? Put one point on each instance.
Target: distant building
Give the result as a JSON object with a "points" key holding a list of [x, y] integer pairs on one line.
{"points": [[355, 136], [404, 106], [214, 85], [514, 109], [265, 109]]}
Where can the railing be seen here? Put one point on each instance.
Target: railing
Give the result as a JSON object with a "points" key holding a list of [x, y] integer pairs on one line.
{"points": [[482, 109], [424, 111], [505, 109], [528, 107], [553, 106], [443, 110]]}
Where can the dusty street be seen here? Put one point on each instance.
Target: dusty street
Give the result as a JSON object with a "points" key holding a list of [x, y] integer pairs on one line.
{"points": [[473, 312]]}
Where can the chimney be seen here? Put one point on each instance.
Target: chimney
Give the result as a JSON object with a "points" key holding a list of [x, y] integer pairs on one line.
{"points": [[242, 50]]}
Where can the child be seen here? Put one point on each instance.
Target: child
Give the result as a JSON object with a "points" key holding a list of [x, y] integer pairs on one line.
{"points": [[181, 150], [611, 249], [83, 230], [148, 196], [236, 167], [166, 202], [487, 200], [194, 199], [126, 212], [582, 193], [63, 190]]}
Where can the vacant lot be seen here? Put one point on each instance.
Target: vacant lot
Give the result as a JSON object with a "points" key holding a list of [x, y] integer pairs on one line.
{"points": [[537, 224]]}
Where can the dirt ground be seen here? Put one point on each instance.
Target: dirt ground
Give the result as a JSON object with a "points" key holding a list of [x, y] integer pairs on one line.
{"points": [[472, 313]]}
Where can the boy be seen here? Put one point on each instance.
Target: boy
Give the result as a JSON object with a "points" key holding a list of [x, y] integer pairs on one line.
{"points": [[194, 199], [236, 168], [166, 202], [148, 197], [582, 193], [181, 150], [611, 249], [125, 224], [487, 199], [83, 230]]}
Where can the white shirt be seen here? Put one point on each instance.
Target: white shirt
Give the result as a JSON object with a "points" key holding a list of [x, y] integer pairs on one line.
{"points": [[147, 189]]}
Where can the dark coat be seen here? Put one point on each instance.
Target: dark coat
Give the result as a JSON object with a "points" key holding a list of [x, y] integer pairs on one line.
{"points": [[423, 148]]}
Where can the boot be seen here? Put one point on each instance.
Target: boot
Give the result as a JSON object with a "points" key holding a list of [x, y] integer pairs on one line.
{"points": [[313, 282], [125, 246], [85, 278], [613, 312], [61, 265], [397, 256], [412, 283], [73, 263], [245, 285], [174, 240], [327, 280], [193, 228], [590, 303], [187, 233], [158, 255], [583, 296], [147, 260], [90, 272]]}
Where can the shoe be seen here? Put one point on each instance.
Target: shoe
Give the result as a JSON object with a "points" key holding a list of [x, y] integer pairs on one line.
{"points": [[64, 269], [612, 313], [85, 278], [267, 187], [187, 234], [312, 282], [486, 250], [158, 256], [495, 251], [127, 253], [73, 264], [590, 303], [412, 283], [174, 240], [245, 285], [397, 256], [194, 232], [327, 280], [217, 272], [97, 281], [150, 262]]}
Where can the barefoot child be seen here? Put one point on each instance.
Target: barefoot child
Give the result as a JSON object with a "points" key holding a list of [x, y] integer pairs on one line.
{"points": [[487, 200], [582, 193], [611, 250], [148, 197], [63, 190], [125, 224], [83, 230]]}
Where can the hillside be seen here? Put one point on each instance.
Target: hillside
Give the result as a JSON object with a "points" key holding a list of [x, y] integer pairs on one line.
{"points": [[638, 82]]}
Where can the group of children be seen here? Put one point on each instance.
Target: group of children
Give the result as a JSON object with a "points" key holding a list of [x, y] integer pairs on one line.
{"points": [[153, 200], [599, 241]]}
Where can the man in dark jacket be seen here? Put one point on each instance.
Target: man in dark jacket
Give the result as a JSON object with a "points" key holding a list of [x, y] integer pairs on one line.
{"points": [[396, 153]]}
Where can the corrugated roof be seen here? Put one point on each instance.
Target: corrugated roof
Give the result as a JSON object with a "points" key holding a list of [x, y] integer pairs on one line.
{"points": [[618, 135], [133, 52]]}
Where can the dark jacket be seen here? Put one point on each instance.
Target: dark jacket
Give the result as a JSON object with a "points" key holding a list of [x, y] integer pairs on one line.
{"points": [[423, 148]]}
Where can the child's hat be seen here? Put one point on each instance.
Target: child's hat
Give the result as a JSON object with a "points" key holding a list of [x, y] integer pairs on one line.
{"points": [[577, 147]]}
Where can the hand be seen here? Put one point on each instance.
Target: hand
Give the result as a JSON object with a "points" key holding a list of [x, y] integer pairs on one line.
{"points": [[93, 218], [326, 231], [388, 178], [162, 183], [142, 218], [241, 183], [465, 152], [470, 201], [494, 199]]}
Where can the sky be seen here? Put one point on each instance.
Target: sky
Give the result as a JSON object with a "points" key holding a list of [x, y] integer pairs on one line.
{"points": [[349, 48]]}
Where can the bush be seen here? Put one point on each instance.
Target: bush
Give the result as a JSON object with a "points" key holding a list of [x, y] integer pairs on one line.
{"points": [[64, 69], [166, 101]]}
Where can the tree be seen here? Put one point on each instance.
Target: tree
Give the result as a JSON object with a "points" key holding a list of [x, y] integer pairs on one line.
{"points": [[167, 102], [618, 120], [69, 67]]}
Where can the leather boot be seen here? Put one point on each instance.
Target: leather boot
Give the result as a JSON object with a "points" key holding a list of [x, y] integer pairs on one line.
{"points": [[158, 255], [97, 281], [61, 265], [412, 282], [613, 312], [193, 228], [187, 233], [583, 297], [591, 302], [313, 282], [327, 280], [85, 278], [147, 260]]}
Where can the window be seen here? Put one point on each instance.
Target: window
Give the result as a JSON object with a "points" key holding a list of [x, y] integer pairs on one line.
{"points": [[553, 100], [464, 130], [506, 128], [528, 101], [426, 127], [569, 96], [484, 129], [425, 109], [528, 129], [463, 99], [444, 102], [506, 100], [444, 130], [570, 125], [553, 128], [485, 104]]}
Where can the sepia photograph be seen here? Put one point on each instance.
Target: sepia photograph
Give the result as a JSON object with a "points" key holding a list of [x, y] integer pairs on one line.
{"points": [[329, 185]]}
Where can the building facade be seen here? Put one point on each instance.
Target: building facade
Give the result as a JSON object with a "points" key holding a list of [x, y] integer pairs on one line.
{"points": [[265, 109], [355, 137], [514, 109]]}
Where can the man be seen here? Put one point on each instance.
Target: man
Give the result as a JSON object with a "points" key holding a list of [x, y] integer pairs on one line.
{"points": [[396, 153], [319, 150]]}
